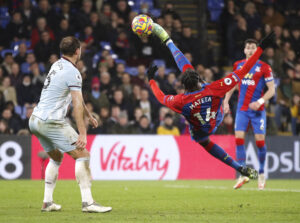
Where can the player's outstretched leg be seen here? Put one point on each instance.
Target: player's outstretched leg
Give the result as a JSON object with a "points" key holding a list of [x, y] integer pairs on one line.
{"points": [[181, 61], [84, 179], [50, 183]]}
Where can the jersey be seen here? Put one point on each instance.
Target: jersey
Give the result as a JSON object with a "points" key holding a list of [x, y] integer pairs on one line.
{"points": [[202, 109], [62, 78], [253, 84]]}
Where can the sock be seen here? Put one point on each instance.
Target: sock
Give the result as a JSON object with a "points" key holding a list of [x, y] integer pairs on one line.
{"points": [[181, 61], [50, 180], [84, 179], [262, 151], [220, 154], [240, 151]]}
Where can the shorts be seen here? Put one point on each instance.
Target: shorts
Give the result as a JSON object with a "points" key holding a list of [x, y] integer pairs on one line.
{"points": [[257, 119], [53, 134], [199, 135]]}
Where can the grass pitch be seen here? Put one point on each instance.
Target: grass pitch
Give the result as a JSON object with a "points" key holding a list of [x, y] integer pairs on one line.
{"points": [[155, 201]]}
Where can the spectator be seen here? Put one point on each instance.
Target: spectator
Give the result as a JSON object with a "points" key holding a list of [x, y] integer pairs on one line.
{"points": [[273, 18], [16, 75], [123, 10], [168, 128], [122, 45], [4, 129], [63, 30], [118, 99], [100, 32], [139, 79], [170, 84], [144, 126], [104, 119], [44, 48], [41, 26], [252, 17], [295, 113], [45, 10], [145, 104], [14, 122], [25, 91], [126, 86], [22, 53], [97, 99], [17, 29], [188, 43], [83, 17], [7, 63], [122, 126], [27, 13], [9, 92]]}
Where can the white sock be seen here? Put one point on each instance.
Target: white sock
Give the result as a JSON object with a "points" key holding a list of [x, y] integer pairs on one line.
{"points": [[84, 179], [50, 179], [169, 41]]}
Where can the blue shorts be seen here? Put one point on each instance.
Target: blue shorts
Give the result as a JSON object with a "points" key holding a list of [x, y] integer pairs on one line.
{"points": [[199, 135], [256, 118]]}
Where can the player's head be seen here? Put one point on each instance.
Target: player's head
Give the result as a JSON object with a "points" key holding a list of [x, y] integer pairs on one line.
{"points": [[70, 46], [191, 80], [250, 47]]}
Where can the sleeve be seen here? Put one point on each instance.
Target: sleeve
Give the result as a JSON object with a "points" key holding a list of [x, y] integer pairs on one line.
{"points": [[235, 65], [268, 74], [74, 81], [173, 102], [222, 86]]}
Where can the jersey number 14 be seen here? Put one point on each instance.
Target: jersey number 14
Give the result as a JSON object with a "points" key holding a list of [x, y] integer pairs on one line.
{"points": [[209, 115]]}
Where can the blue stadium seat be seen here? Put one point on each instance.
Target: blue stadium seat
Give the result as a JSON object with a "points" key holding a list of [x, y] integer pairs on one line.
{"points": [[96, 59], [120, 61], [5, 51], [159, 63], [4, 17], [131, 70], [155, 12], [15, 44], [215, 8]]}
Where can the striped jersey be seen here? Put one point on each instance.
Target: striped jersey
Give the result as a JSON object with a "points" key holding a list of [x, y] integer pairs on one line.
{"points": [[252, 86]]}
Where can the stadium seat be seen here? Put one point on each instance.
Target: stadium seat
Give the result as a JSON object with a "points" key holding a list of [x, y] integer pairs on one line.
{"points": [[15, 44], [120, 61], [4, 17], [131, 70], [159, 63], [5, 51], [215, 8]]}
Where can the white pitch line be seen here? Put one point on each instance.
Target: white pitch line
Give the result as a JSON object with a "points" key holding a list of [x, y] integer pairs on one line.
{"points": [[229, 188]]}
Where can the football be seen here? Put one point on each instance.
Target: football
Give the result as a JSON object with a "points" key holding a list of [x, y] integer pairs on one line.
{"points": [[142, 25]]}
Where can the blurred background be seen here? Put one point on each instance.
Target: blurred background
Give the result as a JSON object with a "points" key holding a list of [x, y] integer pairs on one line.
{"points": [[211, 33]]}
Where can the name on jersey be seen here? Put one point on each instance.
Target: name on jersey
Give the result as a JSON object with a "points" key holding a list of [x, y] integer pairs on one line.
{"points": [[199, 102]]}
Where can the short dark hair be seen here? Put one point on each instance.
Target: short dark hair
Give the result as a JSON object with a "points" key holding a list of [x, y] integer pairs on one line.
{"points": [[251, 41], [190, 80], [69, 45]]}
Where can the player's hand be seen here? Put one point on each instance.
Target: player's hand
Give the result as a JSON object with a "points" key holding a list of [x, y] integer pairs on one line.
{"points": [[151, 72], [254, 105], [93, 121], [226, 108], [267, 41], [81, 142]]}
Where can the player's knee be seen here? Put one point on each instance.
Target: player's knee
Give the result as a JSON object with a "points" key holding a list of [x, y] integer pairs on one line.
{"points": [[260, 143], [239, 141]]}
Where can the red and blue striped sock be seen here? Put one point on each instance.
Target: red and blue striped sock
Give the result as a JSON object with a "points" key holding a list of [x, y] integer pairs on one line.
{"points": [[220, 154], [240, 151], [262, 151]]}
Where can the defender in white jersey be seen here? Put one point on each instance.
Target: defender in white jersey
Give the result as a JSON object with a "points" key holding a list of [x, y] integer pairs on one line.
{"points": [[63, 85]]}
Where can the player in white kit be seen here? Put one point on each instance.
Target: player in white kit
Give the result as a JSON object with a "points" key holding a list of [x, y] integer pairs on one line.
{"points": [[63, 85]]}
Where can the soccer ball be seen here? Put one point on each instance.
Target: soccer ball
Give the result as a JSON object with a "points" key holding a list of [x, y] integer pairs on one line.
{"points": [[142, 25]]}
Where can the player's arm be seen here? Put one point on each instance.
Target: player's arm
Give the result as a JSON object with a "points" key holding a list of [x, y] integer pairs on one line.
{"points": [[222, 86], [227, 99], [269, 93], [171, 101], [92, 120], [77, 101]]}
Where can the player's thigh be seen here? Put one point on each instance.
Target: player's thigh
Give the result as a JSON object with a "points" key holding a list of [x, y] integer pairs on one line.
{"points": [[258, 122], [56, 155], [79, 153], [241, 121], [38, 128], [62, 135]]}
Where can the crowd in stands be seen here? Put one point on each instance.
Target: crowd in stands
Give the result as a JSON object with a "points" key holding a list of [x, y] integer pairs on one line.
{"points": [[114, 60]]}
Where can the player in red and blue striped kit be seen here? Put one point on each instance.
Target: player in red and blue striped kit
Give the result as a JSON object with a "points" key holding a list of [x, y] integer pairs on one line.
{"points": [[250, 109], [201, 102]]}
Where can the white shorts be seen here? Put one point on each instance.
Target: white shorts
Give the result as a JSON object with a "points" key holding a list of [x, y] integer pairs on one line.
{"points": [[53, 134]]}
